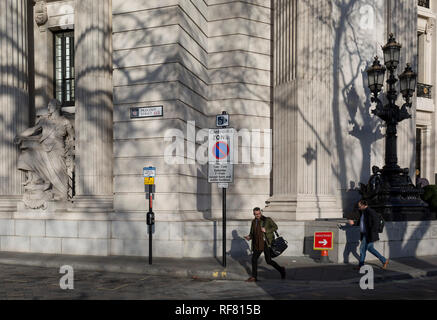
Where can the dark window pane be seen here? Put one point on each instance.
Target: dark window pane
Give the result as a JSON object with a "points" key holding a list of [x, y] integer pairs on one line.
{"points": [[64, 67]]}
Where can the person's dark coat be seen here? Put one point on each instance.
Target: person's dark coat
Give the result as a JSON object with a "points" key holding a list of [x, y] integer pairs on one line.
{"points": [[371, 222], [270, 227]]}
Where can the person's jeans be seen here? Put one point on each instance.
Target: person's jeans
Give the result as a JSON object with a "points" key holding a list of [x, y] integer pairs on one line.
{"points": [[368, 246]]}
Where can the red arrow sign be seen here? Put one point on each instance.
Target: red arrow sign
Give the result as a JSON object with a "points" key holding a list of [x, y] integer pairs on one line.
{"points": [[323, 241]]}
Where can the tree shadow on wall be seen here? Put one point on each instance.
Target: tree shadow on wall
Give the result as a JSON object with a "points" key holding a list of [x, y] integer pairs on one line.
{"points": [[352, 52]]}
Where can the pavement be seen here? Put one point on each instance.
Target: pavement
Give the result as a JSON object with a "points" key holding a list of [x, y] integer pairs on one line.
{"points": [[299, 269]]}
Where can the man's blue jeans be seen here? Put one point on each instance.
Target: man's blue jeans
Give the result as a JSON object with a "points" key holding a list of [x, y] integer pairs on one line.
{"points": [[366, 246]]}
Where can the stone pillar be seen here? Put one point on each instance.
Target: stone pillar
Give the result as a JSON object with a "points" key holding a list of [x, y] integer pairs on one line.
{"points": [[44, 60], [94, 104], [14, 96], [302, 124], [403, 24]]}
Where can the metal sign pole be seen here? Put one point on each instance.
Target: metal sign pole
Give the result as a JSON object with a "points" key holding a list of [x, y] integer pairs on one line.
{"points": [[150, 224], [224, 227], [149, 174], [220, 165]]}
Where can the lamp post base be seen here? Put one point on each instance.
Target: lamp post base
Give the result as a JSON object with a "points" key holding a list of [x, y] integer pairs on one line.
{"points": [[391, 193], [404, 212]]}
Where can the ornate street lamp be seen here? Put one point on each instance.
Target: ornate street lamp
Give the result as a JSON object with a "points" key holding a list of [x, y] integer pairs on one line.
{"points": [[376, 75], [408, 82], [390, 190], [392, 52]]}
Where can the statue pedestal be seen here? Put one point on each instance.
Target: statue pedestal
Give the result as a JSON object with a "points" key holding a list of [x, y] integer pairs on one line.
{"points": [[51, 206], [92, 204]]}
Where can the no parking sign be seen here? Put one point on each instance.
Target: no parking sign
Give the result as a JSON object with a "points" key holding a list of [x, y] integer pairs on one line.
{"points": [[221, 150], [221, 156]]}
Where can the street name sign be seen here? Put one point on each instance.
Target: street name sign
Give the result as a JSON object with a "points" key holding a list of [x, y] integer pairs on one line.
{"points": [[323, 241], [147, 112]]}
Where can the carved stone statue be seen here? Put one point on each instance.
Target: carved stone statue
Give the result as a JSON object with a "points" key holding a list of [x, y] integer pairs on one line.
{"points": [[41, 16], [47, 158]]}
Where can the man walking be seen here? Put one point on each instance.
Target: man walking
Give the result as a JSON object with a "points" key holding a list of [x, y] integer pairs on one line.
{"points": [[261, 234], [368, 222]]}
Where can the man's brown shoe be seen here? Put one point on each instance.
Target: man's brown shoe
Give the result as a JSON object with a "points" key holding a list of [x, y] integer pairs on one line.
{"points": [[385, 265], [251, 279]]}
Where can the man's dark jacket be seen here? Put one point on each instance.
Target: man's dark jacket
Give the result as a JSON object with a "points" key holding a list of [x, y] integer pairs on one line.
{"points": [[371, 222], [270, 227]]}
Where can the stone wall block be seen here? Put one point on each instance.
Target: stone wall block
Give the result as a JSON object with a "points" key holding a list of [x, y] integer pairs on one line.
{"points": [[129, 247], [198, 249], [94, 229], [46, 245], [200, 233], [129, 230], [426, 248], [176, 230], [18, 244], [295, 248], [30, 228], [434, 232], [7, 228], [169, 249], [393, 232], [93, 247], [62, 229], [396, 249]]}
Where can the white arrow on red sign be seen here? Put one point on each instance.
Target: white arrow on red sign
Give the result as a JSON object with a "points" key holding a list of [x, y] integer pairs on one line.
{"points": [[324, 242]]}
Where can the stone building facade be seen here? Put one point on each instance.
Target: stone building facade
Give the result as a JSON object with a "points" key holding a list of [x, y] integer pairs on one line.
{"points": [[291, 74]]}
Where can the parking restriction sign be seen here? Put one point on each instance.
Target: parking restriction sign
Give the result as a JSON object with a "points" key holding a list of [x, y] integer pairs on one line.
{"points": [[149, 174], [220, 156]]}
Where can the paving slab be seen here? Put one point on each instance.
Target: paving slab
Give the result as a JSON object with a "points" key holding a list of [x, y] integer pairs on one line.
{"points": [[299, 269]]}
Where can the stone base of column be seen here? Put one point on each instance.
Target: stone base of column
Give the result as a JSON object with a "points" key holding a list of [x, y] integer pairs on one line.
{"points": [[9, 203], [92, 204], [302, 208], [281, 208]]}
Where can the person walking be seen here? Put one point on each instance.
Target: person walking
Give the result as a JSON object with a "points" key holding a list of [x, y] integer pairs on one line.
{"points": [[261, 234], [368, 222]]}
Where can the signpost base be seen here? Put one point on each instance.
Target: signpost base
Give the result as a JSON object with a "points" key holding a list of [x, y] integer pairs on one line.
{"points": [[324, 257]]}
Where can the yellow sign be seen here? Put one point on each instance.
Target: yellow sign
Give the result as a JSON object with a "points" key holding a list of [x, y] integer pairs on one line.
{"points": [[149, 181]]}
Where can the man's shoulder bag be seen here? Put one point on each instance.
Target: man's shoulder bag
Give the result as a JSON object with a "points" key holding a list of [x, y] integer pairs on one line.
{"points": [[278, 246]]}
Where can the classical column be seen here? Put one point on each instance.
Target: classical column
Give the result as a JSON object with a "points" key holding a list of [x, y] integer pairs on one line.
{"points": [[94, 105], [302, 124], [14, 96], [403, 24]]}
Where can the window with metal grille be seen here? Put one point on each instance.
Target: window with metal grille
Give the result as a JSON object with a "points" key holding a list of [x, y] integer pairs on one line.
{"points": [[423, 3], [64, 67]]}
